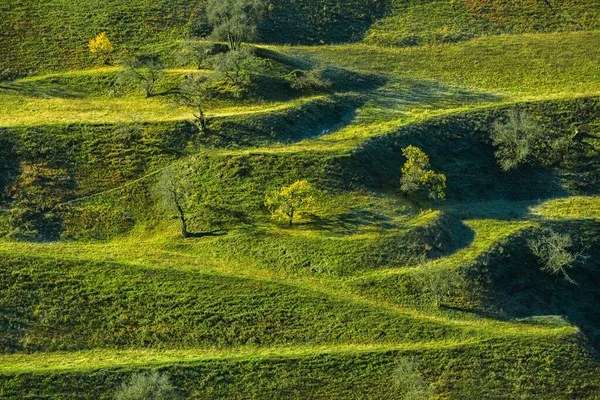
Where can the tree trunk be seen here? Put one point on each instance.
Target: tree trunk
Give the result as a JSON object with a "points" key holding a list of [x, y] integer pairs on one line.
{"points": [[184, 231], [201, 119]]}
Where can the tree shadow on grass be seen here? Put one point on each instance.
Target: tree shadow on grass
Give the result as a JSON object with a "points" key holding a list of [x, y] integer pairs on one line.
{"points": [[40, 89], [218, 232], [351, 221]]}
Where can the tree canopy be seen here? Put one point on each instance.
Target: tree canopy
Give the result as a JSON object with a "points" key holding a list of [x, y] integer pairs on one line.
{"points": [[418, 177], [234, 21], [285, 202]]}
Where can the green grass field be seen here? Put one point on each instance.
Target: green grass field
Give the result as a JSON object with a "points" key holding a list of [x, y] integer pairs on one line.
{"points": [[367, 277]]}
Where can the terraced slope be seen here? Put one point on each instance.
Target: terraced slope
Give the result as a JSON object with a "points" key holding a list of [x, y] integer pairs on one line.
{"points": [[326, 309]]}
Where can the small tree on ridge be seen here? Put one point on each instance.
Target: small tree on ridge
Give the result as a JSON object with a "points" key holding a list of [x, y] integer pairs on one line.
{"points": [[285, 202], [417, 175]]}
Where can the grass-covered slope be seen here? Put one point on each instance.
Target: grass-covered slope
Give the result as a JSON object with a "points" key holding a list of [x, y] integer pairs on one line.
{"points": [[366, 277], [53, 35], [418, 22]]}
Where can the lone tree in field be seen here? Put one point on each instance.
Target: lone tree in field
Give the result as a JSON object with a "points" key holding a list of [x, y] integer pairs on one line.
{"points": [[234, 21], [144, 386], [285, 202], [418, 177], [145, 70], [553, 251], [194, 91], [516, 140], [175, 194], [102, 47]]}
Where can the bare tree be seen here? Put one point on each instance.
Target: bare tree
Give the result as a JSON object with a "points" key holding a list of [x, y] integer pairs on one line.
{"points": [[145, 69], [175, 194], [194, 91]]}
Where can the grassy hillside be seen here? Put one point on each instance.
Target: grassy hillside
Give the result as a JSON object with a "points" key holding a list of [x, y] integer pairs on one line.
{"points": [[47, 36], [414, 23], [367, 277]]}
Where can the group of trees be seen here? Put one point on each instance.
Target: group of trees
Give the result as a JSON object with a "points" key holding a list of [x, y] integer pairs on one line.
{"points": [[227, 66], [177, 194]]}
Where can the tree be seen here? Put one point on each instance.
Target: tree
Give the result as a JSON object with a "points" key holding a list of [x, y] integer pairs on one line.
{"points": [[237, 67], [234, 20], [438, 283], [516, 139], [36, 194], [409, 382], [194, 91], [417, 177], [147, 386], [144, 69], [553, 252], [174, 192], [102, 47], [285, 202]]}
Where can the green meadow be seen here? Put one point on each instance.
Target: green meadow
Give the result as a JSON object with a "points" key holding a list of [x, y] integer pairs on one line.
{"points": [[368, 277]]}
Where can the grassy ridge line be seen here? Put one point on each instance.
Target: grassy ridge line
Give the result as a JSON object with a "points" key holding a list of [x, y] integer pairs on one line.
{"points": [[100, 359], [576, 207], [56, 111], [519, 65], [487, 232], [333, 289], [354, 135]]}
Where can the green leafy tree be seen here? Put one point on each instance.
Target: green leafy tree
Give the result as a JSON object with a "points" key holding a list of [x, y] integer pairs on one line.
{"points": [[409, 383], [554, 252], [147, 386], [285, 203], [146, 70], [36, 196], [418, 177], [234, 21], [516, 140]]}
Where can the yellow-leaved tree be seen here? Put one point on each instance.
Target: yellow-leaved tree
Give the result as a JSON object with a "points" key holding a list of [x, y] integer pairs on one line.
{"points": [[102, 47], [285, 202]]}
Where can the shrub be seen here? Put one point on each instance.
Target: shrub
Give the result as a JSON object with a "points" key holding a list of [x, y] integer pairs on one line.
{"points": [[311, 80], [146, 70], [147, 386], [409, 383]]}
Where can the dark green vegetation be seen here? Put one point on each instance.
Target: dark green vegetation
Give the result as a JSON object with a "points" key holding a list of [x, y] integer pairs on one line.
{"points": [[463, 268]]}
